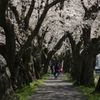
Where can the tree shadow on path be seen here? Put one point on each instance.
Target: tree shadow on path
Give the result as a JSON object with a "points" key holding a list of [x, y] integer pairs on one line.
{"points": [[59, 89]]}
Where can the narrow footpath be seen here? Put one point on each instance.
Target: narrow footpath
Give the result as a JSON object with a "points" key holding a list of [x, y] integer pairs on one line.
{"points": [[59, 89]]}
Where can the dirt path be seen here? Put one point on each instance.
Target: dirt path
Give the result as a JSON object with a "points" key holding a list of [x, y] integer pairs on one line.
{"points": [[59, 89]]}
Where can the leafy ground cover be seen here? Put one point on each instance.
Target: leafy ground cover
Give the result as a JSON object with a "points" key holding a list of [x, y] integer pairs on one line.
{"points": [[26, 92]]}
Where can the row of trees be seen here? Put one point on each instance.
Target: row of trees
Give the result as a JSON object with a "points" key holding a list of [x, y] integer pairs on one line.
{"points": [[81, 60], [26, 58], [24, 51]]}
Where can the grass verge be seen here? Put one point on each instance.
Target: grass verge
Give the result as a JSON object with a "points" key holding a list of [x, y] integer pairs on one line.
{"points": [[86, 90], [27, 91], [70, 78]]}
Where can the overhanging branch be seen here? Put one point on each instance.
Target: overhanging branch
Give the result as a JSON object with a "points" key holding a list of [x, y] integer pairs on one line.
{"points": [[36, 30], [57, 46], [14, 10], [26, 20]]}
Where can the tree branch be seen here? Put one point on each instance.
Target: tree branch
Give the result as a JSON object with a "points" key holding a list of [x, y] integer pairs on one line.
{"points": [[89, 12], [16, 38], [10, 42], [36, 30], [57, 46], [44, 32], [82, 2], [54, 3], [3, 50], [26, 20], [3, 7], [14, 10], [72, 41], [30, 38]]}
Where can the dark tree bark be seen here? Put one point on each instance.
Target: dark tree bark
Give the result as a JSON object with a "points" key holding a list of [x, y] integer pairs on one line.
{"points": [[91, 13], [26, 20], [37, 53], [89, 58], [67, 66], [30, 38], [76, 59], [8, 51], [97, 88], [26, 69], [3, 50], [16, 13], [10, 43], [61, 5], [8, 27], [89, 51], [3, 7]]}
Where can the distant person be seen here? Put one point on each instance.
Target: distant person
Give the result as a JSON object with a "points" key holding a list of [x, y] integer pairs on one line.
{"points": [[60, 68], [56, 70], [51, 68]]}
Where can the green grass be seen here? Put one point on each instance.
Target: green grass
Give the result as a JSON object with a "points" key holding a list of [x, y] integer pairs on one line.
{"points": [[70, 78], [87, 90], [26, 92], [96, 78]]}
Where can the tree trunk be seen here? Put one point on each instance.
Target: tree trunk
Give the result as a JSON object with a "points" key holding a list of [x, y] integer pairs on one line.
{"points": [[88, 76], [6, 90], [89, 59], [10, 43], [67, 62], [3, 7], [37, 62], [26, 69]]}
